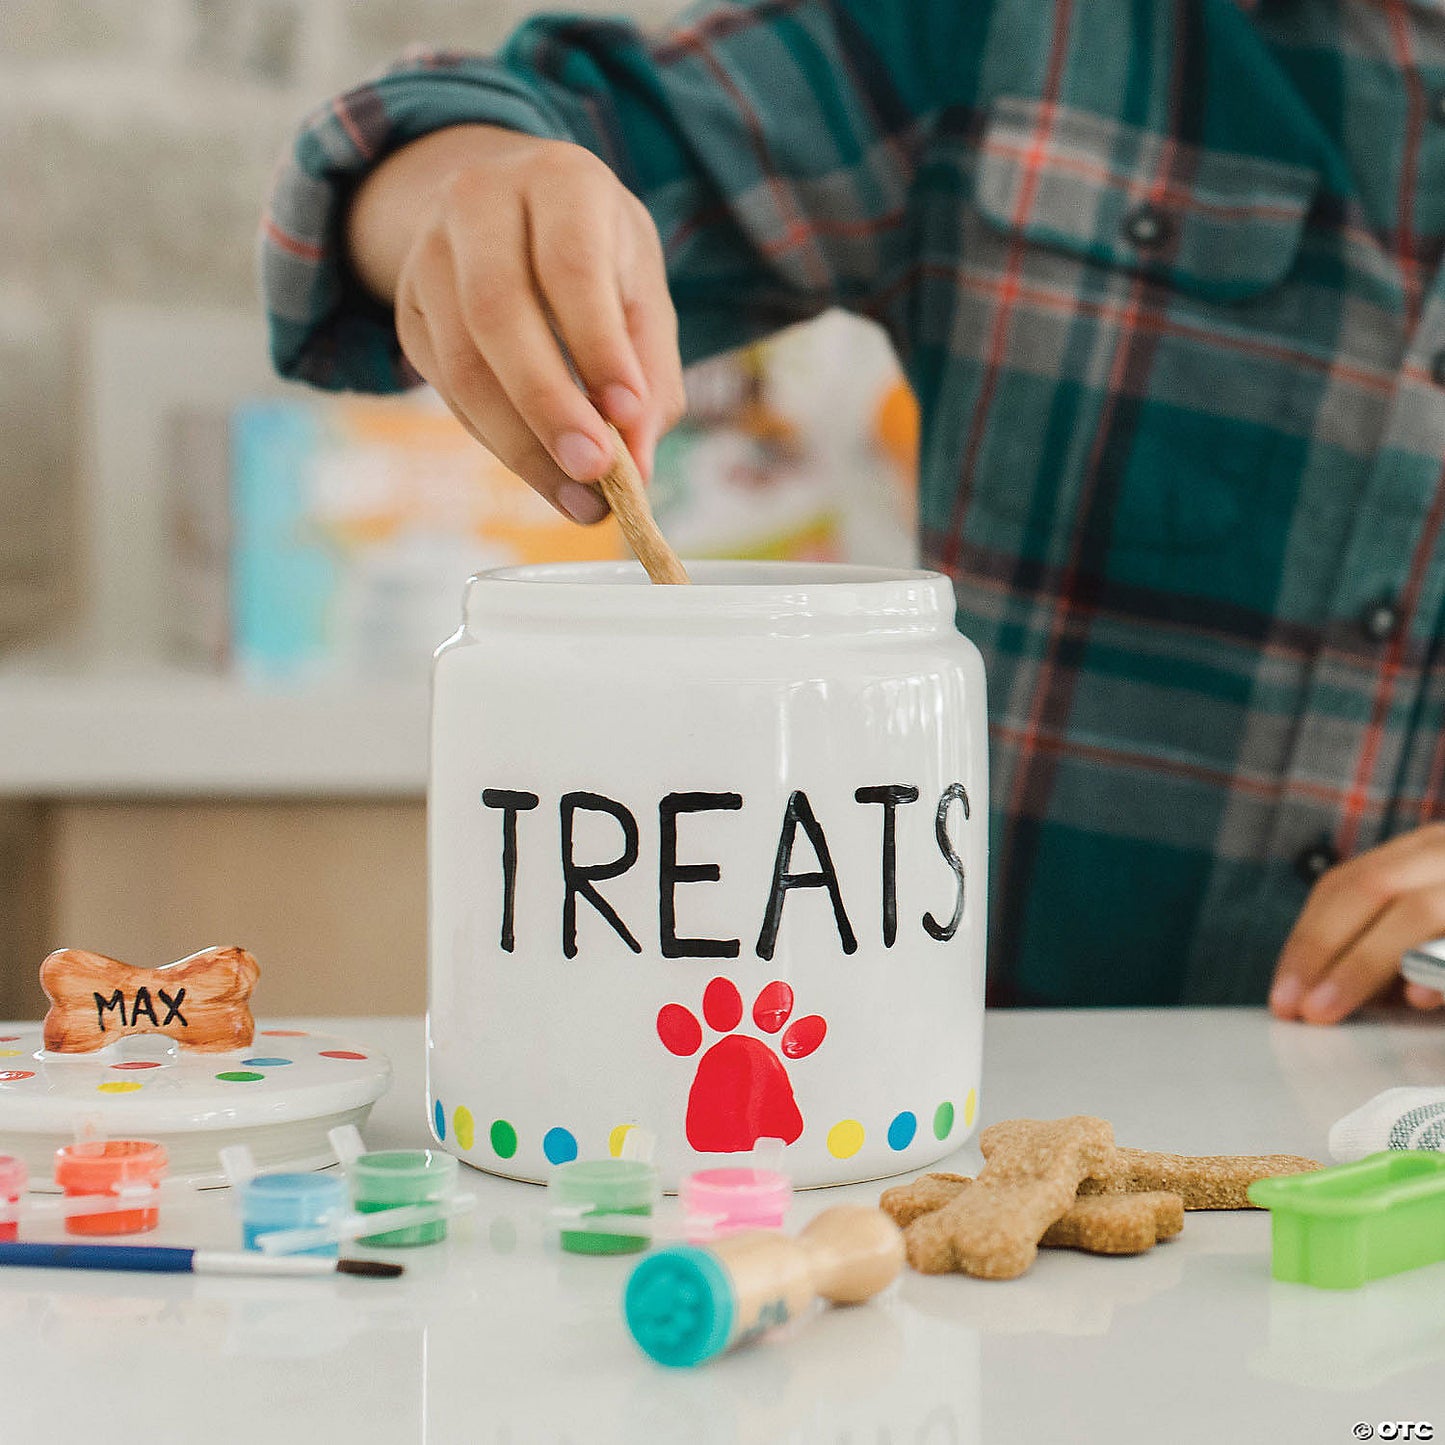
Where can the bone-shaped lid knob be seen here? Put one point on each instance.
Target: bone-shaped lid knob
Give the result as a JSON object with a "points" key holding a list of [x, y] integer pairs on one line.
{"points": [[202, 1002]]}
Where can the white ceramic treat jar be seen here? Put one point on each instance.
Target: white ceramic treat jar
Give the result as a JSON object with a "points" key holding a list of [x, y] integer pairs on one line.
{"points": [[710, 860]]}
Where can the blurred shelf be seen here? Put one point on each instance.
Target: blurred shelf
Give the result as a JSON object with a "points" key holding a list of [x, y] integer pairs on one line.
{"points": [[144, 730]]}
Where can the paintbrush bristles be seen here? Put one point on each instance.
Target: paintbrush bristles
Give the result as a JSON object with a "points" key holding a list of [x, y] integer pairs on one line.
{"points": [[370, 1268], [623, 488]]}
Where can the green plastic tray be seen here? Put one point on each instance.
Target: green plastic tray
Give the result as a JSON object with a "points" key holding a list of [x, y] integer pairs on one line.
{"points": [[1340, 1227]]}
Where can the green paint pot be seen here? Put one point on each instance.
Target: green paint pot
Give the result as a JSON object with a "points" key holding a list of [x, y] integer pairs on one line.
{"points": [[605, 1186], [390, 1178]]}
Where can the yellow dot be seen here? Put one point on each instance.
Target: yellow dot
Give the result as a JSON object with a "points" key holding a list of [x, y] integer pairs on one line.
{"points": [[9, 1053], [463, 1126], [845, 1139], [118, 1086], [616, 1139], [970, 1108]]}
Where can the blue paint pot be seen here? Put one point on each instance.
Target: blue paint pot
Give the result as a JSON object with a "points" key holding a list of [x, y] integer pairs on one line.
{"points": [[272, 1202]]}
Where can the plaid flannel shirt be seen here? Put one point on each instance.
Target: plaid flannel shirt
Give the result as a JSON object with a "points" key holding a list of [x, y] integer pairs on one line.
{"points": [[1162, 274]]}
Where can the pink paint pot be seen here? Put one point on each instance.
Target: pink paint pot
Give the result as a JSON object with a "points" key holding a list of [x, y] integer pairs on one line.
{"points": [[113, 1166], [14, 1180], [718, 1202]]}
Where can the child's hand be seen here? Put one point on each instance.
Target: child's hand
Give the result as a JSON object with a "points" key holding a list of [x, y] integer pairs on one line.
{"points": [[485, 240], [1360, 919]]}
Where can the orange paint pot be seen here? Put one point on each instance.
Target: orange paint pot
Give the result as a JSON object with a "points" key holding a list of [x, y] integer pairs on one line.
{"points": [[113, 1166]]}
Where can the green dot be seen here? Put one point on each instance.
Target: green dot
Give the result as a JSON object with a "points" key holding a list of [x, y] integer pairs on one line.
{"points": [[943, 1120], [240, 1076], [504, 1139]]}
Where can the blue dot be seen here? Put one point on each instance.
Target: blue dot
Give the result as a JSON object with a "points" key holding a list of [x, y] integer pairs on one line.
{"points": [[559, 1146], [439, 1118], [902, 1130], [264, 1063]]}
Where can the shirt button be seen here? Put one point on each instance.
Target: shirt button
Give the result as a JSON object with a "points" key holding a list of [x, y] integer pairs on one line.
{"points": [[1146, 227], [1379, 620], [1315, 861]]}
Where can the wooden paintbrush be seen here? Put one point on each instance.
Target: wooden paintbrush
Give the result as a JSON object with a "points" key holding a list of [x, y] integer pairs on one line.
{"points": [[622, 486]]}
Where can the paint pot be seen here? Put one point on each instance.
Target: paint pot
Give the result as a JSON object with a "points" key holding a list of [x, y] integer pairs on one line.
{"points": [[719, 1202], [710, 856], [14, 1181], [392, 1177], [270, 1203], [112, 1166], [605, 1186]]}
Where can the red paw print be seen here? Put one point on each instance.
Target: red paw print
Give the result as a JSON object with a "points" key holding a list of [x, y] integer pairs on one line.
{"points": [[741, 1092]]}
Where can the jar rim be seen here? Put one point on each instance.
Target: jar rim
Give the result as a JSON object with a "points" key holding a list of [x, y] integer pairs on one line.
{"points": [[793, 596]]}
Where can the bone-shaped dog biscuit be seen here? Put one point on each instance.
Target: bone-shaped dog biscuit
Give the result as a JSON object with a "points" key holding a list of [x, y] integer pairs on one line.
{"points": [[202, 1002], [906, 1202], [1117, 1223], [1096, 1224], [1208, 1181], [1203, 1182], [1030, 1179]]}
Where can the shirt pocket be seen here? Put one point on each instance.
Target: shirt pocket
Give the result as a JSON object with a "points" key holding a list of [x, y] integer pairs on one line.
{"points": [[1152, 333]]}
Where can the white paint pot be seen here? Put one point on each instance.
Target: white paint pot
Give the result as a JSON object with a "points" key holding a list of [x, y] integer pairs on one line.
{"points": [[710, 860]]}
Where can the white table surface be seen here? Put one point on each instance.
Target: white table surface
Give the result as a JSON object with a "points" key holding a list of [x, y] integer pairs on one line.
{"points": [[498, 1338]]}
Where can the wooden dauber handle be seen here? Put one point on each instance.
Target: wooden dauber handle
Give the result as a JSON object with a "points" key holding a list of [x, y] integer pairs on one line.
{"points": [[622, 486]]}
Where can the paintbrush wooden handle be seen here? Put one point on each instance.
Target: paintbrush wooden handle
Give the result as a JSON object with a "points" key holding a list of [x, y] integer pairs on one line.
{"points": [[622, 486]]}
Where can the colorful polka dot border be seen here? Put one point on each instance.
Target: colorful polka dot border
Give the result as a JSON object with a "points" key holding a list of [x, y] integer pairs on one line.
{"points": [[559, 1145], [902, 1130], [240, 1076], [13, 1076], [464, 1126], [845, 1138], [504, 1139]]}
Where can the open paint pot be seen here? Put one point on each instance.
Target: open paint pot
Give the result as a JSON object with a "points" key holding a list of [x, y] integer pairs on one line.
{"points": [[389, 1178], [113, 1166], [718, 1202], [605, 1186], [270, 1203], [710, 859], [14, 1180]]}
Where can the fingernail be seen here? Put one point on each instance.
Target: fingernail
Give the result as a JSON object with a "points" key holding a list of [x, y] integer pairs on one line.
{"points": [[1323, 1000], [580, 457], [1418, 996], [582, 503], [1285, 995], [621, 404]]}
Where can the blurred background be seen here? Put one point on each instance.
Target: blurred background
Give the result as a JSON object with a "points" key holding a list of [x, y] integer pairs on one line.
{"points": [[218, 594]]}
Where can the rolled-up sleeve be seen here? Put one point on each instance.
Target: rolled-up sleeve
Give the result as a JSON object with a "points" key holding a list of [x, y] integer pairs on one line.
{"points": [[774, 144]]}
